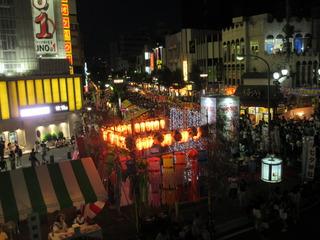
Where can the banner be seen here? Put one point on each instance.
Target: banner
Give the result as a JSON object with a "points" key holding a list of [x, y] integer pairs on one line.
{"points": [[311, 159], [44, 27]]}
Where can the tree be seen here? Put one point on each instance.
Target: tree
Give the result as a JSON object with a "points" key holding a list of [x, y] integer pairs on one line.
{"points": [[177, 78], [164, 76]]}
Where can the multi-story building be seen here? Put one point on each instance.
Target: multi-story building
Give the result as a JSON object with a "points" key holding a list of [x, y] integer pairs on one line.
{"points": [[191, 47], [38, 92], [289, 45]]}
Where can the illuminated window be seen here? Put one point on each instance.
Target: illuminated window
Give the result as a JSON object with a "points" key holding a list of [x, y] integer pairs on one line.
{"points": [[278, 44], [31, 93], [55, 90], [4, 102], [22, 93], [269, 44], [78, 90], [63, 90], [298, 44], [39, 91], [13, 96], [71, 94], [47, 90]]}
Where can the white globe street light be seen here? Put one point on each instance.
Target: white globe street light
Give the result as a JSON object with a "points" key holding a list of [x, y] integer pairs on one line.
{"points": [[285, 72], [276, 75]]}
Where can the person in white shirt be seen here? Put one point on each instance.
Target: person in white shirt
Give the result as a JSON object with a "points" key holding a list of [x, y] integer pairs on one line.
{"points": [[59, 225], [80, 219]]}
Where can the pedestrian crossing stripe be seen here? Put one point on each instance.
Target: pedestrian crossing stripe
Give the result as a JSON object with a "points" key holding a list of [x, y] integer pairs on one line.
{"points": [[47, 188]]}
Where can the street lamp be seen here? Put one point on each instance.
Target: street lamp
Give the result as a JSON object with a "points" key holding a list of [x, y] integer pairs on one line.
{"points": [[240, 58], [282, 75]]}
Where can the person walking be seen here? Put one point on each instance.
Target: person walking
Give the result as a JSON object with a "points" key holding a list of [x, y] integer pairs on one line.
{"points": [[18, 152], [44, 152], [12, 160], [33, 158]]}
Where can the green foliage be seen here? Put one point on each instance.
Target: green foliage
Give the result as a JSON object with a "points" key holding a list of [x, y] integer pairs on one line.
{"points": [[60, 135], [47, 137], [54, 136]]}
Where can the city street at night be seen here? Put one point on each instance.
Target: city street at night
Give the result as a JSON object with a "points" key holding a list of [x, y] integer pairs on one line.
{"points": [[129, 120]]}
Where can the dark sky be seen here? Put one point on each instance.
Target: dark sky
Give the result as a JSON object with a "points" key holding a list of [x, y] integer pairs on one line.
{"points": [[103, 21]]}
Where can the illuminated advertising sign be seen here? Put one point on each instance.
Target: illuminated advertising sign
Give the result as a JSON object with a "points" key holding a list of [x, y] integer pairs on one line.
{"points": [[151, 61], [67, 33], [44, 27], [35, 111], [185, 70], [61, 107]]}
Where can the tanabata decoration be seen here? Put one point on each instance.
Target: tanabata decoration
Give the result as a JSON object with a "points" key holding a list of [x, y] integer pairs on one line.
{"points": [[194, 191], [168, 180], [126, 190], [154, 175], [180, 163]]}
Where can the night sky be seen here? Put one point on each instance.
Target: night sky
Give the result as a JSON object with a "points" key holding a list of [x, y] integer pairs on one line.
{"points": [[103, 21]]}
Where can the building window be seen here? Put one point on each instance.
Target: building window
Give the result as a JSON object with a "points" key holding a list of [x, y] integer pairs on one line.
{"points": [[254, 47], [242, 46], [278, 44], [308, 41], [315, 72], [298, 44], [303, 74], [269, 44], [309, 74], [209, 38], [228, 52], [233, 51], [210, 62], [224, 52]]}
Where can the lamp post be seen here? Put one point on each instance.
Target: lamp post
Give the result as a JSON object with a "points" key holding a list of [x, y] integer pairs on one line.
{"points": [[240, 58]]}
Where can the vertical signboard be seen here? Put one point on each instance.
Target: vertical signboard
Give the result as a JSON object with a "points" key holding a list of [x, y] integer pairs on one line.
{"points": [[228, 118], [44, 27], [67, 33], [309, 158]]}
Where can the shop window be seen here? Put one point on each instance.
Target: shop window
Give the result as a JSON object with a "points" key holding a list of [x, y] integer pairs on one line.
{"points": [[13, 137], [269, 44], [298, 44]]}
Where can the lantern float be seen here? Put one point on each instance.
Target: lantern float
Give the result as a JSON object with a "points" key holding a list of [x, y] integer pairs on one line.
{"points": [[154, 175], [168, 180]]}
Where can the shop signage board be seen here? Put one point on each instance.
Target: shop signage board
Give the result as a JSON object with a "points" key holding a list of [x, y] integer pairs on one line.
{"points": [[44, 27]]}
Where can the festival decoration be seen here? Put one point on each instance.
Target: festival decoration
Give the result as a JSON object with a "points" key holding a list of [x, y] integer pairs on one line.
{"points": [[154, 175], [168, 180], [180, 163]]}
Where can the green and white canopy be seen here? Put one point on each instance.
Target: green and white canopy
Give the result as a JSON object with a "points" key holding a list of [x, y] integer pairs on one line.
{"points": [[48, 188]]}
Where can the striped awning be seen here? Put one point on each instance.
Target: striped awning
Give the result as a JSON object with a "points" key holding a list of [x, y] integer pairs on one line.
{"points": [[48, 188]]}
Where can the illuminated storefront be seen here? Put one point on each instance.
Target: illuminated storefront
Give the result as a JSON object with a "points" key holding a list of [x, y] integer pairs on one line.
{"points": [[254, 101], [29, 103]]}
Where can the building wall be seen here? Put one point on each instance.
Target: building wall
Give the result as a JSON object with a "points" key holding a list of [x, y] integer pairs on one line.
{"points": [[197, 47], [18, 55], [18, 94], [263, 36]]}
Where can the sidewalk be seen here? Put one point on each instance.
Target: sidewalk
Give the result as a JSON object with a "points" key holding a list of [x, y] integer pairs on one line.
{"points": [[59, 154]]}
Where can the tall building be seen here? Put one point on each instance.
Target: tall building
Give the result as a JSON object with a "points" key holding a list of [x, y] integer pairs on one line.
{"points": [[190, 47], [39, 94]]}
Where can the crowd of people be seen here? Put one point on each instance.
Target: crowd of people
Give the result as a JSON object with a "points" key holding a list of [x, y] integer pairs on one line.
{"points": [[286, 137]]}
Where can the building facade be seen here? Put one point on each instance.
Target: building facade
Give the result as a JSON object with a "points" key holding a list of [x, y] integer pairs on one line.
{"points": [[38, 92], [194, 47], [264, 36]]}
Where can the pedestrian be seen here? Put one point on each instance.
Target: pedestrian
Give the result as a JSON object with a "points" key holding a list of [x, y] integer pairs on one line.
{"points": [[283, 214], [43, 152], [33, 158], [2, 147], [18, 152], [257, 216], [80, 219], [12, 160]]}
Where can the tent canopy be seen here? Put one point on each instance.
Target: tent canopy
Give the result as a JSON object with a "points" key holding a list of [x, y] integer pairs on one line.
{"points": [[48, 188]]}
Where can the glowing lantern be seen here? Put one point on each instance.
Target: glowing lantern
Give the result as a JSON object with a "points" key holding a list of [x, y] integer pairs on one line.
{"points": [[162, 124], [129, 129], [142, 127], [148, 126], [167, 140], [137, 127], [185, 136], [139, 145], [156, 125]]}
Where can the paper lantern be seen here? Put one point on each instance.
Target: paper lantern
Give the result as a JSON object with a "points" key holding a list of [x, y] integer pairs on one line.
{"points": [[184, 136], [137, 127], [193, 154], [139, 145], [143, 127], [167, 141], [129, 129], [162, 123], [156, 125], [271, 169], [148, 126]]}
